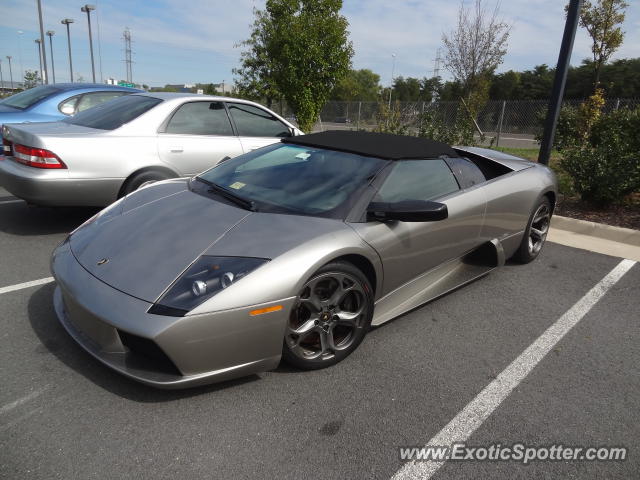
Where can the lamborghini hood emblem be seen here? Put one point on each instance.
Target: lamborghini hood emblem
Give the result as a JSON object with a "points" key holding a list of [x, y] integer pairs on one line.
{"points": [[103, 261]]}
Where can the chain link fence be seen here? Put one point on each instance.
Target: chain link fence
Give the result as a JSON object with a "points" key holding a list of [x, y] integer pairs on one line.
{"points": [[516, 117]]}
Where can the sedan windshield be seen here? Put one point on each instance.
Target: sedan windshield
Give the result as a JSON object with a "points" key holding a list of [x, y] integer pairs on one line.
{"points": [[114, 113], [296, 179], [29, 97]]}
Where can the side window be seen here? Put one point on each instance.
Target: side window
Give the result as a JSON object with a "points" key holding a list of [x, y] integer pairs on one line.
{"points": [[68, 106], [200, 118], [255, 122], [417, 180], [467, 173], [89, 100]]}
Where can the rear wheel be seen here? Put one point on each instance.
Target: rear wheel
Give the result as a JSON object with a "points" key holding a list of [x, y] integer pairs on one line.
{"points": [[143, 178], [536, 233], [330, 319]]}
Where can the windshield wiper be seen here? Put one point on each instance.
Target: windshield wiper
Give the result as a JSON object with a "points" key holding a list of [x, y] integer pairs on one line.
{"points": [[229, 195]]}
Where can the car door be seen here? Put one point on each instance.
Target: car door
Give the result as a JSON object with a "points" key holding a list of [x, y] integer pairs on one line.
{"points": [[197, 136], [256, 126], [408, 249]]}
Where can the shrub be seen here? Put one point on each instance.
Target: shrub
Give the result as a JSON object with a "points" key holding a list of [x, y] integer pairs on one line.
{"points": [[461, 132], [605, 164]]}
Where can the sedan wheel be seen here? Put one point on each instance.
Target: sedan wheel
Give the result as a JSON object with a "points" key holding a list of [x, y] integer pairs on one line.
{"points": [[330, 318]]}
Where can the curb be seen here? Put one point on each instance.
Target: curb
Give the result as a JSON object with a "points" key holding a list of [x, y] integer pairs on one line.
{"points": [[600, 230]]}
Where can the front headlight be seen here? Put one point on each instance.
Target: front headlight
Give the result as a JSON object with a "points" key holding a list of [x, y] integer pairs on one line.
{"points": [[207, 276]]}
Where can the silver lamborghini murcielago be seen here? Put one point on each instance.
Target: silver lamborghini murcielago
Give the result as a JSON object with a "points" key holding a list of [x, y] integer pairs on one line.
{"points": [[291, 251]]}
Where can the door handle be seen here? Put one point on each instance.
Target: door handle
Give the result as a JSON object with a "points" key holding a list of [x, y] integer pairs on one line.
{"points": [[176, 149]]}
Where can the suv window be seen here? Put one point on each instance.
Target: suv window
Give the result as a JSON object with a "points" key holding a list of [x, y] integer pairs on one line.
{"points": [[256, 122], [200, 118], [417, 180]]}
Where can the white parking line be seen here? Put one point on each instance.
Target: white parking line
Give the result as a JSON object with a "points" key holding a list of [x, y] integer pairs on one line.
{"points": [[10, 201], [10, 406], [478, 410], [20, 286]]}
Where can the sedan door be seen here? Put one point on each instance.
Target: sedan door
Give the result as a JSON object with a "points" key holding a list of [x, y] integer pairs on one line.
{"points": [[408, 249], [197, 136], [256, 126]]}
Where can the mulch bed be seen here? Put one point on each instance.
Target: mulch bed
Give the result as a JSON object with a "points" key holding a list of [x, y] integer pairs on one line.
{"points": [[626, 215]]}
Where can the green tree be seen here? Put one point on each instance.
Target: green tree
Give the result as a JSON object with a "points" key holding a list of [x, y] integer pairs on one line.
{"points": [[430, 88], [31, 79], [406, 90], [602, 20], [505, 86], [306, 50], [358, 85], [255, 78]]}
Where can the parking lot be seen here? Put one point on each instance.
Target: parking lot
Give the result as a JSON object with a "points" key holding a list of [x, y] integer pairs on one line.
{"points": [[64, 415]]}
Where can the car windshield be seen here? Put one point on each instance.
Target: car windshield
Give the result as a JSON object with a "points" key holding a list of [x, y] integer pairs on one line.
{"points": [[296, 179], [114, 113], [29, 97]]}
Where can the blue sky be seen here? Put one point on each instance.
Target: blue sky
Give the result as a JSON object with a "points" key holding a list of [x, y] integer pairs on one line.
{"points": [[188, 42]]}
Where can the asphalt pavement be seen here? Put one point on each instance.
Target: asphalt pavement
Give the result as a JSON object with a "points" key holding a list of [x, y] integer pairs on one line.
{"points": [[64, 415]]}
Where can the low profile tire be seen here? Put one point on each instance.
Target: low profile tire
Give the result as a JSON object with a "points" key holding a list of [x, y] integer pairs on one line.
{"points": [[139, 179], [330, 318], [536, 233]]}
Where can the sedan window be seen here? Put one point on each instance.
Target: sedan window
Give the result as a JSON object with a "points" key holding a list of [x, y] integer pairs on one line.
{"points": [[30, 97], [256, 122], [200, 118], [89, 100], [114, 114], [417, 180]]}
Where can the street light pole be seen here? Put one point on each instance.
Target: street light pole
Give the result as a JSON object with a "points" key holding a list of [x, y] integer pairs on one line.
{"points": [[43, 51], [1, 79], [20, 32], [50, 34], [66, 22], [87, 9], [10, 71], [559, 81], [393, 68], [37, 40]]}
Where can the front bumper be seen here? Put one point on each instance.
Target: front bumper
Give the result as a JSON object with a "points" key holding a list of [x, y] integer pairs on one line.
{"points": [[184, 351], [54, 187]]}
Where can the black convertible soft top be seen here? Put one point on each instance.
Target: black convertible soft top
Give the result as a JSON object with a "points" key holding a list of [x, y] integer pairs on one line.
{"points": [[372, 144]]}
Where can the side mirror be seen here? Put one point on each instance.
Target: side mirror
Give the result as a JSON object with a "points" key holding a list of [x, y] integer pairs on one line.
{"points": [[407, 211]]}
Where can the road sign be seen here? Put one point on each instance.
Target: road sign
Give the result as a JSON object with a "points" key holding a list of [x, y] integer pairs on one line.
{"points": [[126, 84]]}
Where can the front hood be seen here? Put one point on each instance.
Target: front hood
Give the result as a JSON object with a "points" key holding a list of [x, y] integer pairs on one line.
{"points": [[151, 237], [7, 109], [156, 233]]}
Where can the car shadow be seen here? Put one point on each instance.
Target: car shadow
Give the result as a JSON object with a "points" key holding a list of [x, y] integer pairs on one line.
{"points": [[22, 219], [56, 341]]}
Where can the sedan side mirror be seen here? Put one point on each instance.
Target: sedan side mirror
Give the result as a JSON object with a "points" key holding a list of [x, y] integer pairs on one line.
{"points": [[407, 211]]}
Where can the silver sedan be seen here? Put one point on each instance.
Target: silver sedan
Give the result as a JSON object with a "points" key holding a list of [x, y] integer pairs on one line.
{"points": [[104, 153]]}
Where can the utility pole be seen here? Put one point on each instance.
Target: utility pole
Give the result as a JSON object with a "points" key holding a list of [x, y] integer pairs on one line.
{"points": [[573, 16], [127, 54], [41, 47], [67, 22], [436, 63], [393, 68], [87, 9], [10, 71], [50, 34]]}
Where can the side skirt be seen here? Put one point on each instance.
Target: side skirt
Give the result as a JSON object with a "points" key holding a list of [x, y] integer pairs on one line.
{"points": [[439, 281]]}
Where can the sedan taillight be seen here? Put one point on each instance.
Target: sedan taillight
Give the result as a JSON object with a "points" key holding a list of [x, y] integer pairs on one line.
{"points": [[36, 157]]}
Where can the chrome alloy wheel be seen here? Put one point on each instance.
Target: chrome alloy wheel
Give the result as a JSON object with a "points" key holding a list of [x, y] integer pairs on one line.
{"points": [[539, 228], [330, 309]]}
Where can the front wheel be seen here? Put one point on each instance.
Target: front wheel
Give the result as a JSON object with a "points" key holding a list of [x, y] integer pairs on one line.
{"points": [[331, 317], [536, 233]]}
